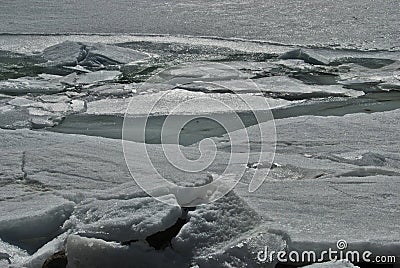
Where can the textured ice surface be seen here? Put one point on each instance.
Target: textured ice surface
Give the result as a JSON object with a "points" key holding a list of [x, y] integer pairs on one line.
{"points": [[90, 163], [108, 204], [351, 24], [313, 153], [333, 190]]}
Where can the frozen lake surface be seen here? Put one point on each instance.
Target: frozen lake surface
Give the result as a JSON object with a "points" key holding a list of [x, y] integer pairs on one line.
{"points": [[328, 72], [360, 24]]}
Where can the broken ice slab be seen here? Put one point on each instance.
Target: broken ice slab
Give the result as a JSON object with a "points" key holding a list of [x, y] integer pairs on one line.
{"points": [[43, 84], [90, 54], [38, 111], [207, 230], [275, 86], [44, 253], [46, 162], [122, 220], [112, 90], [307, 56], [96, 77], [199, 71], [89, 79], [29, 221]]}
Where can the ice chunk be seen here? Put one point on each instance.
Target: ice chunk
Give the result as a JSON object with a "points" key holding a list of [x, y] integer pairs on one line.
{"points": [[39, 257], [115, 90], [308, 56], [21, 102], [96, 77], [66, 53], [208, 225], [102, 54], [32, 220], [122, 220]]}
